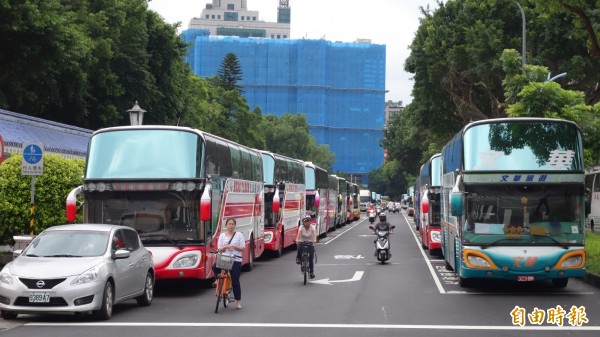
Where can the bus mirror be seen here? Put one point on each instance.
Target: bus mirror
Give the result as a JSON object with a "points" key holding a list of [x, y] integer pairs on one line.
{"points": [[276, 201], [425, 204], [317, 200], [71, 207], [456, 204], [205, 204]]}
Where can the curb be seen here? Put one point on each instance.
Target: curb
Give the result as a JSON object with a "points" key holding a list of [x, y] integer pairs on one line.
{"points": [[592, 279]]}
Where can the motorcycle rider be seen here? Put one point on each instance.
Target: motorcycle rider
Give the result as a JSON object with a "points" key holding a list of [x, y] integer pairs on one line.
{"points": [[382, 225], [371, 213]]}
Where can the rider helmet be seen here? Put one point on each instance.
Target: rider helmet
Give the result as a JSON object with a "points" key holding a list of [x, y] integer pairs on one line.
{"points": [[382, 216], [306, 218]]}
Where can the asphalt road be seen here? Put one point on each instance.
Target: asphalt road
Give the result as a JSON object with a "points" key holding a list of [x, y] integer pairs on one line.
{"points": [[352, 295]]}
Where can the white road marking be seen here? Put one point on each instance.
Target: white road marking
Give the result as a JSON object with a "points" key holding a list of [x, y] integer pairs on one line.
{"points": [[357, 276], [330, 326], [437, 281]]}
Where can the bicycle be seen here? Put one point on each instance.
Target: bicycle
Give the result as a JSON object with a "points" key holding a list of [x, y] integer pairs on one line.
{"points": [[304, 259], [224, 287]]}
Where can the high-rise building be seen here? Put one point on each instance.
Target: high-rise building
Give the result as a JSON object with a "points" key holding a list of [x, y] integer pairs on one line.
{"points": [[339, 86], [232, 18]]}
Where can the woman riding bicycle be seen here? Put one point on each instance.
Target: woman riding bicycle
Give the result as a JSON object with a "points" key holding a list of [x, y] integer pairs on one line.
{"points": [[232, 243], [307, 233]]}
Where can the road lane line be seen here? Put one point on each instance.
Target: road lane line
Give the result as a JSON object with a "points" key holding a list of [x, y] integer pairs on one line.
{"points": [[431, 270], [330, 326]]}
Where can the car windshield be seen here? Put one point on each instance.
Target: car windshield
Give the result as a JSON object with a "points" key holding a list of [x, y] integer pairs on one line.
{"points": [[524, 214], [68, 244]]}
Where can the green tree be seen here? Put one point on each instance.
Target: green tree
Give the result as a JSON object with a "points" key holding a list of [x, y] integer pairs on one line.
{"points": [[230, 73], [51, 189], [289, 135]]}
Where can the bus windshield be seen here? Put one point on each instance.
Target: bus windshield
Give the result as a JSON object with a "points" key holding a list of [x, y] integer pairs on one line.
{"points": [[159, 218], [148, 154], [524, 215], [523, 147]]}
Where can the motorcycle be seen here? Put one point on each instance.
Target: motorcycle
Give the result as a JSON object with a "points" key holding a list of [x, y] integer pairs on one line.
{"points": [[382, 245], [372, 214]]}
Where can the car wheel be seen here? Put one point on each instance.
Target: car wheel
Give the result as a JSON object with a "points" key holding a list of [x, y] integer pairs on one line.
{"points": [[105, 311], [8, 314], [145, 299]]}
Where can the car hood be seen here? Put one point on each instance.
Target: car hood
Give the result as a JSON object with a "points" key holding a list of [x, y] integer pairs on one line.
{"points": [[52, 267]]}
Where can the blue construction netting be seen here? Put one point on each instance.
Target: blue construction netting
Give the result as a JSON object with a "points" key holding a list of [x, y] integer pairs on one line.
{"points": [[340, 87]]}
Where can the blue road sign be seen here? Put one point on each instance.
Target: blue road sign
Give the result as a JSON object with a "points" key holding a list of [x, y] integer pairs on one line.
{"points": [[32, 154]]}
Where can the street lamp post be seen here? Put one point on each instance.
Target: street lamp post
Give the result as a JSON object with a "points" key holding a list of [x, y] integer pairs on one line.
{"points": [[136, 115], [524, 30]]}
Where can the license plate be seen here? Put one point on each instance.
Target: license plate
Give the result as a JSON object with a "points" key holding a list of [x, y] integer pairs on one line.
{"points": [[39, 298], [525, 278]]}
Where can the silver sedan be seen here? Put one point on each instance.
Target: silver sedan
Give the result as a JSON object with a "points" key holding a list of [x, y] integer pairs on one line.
{"points": [[85, 268]]}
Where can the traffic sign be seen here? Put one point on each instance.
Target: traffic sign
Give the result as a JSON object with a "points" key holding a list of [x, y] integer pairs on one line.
{"points": [[33, 159]]}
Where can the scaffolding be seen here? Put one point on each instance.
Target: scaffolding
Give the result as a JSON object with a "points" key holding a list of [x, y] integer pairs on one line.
{"points": [[338, 86]]}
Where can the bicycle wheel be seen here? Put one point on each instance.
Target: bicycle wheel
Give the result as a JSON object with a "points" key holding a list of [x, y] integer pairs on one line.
{"points": [[220, 285], [305, 267], [227, 290]]}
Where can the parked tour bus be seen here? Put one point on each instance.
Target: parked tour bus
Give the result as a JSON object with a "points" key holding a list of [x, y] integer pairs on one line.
{"points": [[592, 186], [355, 202], [417, 202], [341, 214], [283, 200], [349, 202], [430, 181], [317, 197], [333, 201], [176, 186], [513, 201]]}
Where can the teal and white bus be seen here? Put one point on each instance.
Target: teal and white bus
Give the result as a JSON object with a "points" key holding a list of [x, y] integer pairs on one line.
{"points": [[513, 201]]}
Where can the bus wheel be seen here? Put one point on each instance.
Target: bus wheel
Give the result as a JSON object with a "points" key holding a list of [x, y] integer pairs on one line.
{"points": [[560, 282], [464, 282], [279, 250], [248, 266]]}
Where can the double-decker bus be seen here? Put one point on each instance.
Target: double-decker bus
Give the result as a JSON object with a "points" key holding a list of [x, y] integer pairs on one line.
{"points": [[513, 201], [175, 186], [283, 200], [317, 196], [430, 181]]}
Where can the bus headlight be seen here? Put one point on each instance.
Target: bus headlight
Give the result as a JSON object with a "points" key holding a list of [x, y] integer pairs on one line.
{"points": [[436, 236], [572, 262], [186, 261], [477, 261], [268, 237]]}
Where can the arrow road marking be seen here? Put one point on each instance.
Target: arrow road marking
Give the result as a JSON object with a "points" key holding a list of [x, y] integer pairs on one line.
{"points": [[357, 276]]}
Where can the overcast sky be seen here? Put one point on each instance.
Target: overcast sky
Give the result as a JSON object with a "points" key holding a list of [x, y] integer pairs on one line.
{"points": [[389, 22]]}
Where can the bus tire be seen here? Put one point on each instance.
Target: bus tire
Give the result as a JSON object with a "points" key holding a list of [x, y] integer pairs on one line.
{"points": [[464, 282], [279, 250], [560, 282], [248, 266]]}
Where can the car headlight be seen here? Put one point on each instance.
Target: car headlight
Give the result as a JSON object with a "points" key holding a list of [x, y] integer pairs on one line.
{"points": [[436, 237], [6, 276], [477, 261], [186, 261], [88, 276], [573, 261]]}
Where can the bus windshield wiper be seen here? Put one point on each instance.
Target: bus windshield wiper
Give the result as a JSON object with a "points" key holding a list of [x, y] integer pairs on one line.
{"points": [[564, 245], [493, 243]]}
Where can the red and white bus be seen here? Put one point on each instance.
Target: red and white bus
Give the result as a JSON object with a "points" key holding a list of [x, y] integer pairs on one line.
{"points": [[342, 192], [176, 186], [317, 197], [429, 210], [333, 201], [283, 199]]}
